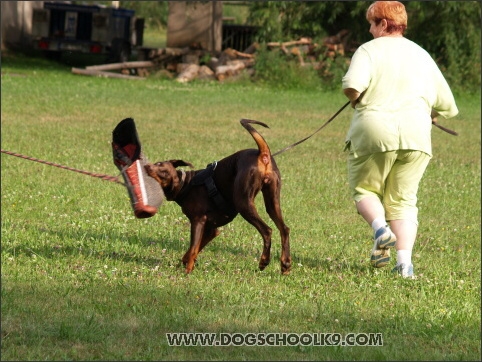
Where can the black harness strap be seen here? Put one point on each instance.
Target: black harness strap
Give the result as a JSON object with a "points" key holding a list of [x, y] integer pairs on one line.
{"points": [[206, 177]]}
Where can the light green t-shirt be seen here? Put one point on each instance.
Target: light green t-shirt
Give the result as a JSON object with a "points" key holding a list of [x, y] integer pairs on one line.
{"points": [[401, 85]]}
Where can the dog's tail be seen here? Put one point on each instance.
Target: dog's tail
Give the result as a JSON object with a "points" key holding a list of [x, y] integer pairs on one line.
{"points": [[264, 158]]}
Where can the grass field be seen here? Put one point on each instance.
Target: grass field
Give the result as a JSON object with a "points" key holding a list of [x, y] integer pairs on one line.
{"points": [[83, 279]]}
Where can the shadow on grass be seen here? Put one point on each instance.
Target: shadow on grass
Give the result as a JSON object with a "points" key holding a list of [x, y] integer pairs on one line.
{"points": [[333, 265], [92, 244]]}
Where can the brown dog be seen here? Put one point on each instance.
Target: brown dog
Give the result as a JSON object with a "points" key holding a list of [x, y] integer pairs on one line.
{"points": [[212, 197]]}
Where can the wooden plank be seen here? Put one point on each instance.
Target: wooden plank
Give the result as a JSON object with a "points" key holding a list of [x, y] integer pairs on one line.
{"points": [[125, 65], [100, 73], [302, 41]]}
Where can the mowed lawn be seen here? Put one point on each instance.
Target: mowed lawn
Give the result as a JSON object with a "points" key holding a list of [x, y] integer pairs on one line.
{"points": [[83, 279]]}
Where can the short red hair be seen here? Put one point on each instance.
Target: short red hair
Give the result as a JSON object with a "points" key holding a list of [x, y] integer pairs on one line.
{"points": [[392, 11]]}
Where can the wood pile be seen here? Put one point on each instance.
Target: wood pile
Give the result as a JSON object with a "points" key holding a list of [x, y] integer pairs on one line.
{"points": [[189, 63]]}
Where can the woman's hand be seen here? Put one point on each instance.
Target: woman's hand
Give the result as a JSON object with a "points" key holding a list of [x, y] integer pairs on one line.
{"points": [[353, 95]]}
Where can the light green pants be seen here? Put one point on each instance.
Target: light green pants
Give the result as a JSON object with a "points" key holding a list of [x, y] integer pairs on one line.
{"points": [[393, 177]]}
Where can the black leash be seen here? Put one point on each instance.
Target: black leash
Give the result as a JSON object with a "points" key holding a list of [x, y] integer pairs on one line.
{"points": [[434, 122], [311, 135], [453, 133]]}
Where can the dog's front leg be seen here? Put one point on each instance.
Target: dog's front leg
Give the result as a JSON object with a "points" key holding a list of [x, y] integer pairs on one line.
{"points": [[197, 231]]}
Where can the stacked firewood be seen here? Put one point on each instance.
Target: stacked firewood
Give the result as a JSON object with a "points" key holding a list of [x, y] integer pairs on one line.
{"points": [[192, 63], [313, 54], [189, 63]]}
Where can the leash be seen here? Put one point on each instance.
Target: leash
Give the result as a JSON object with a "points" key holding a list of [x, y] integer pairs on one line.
{"points": [[453, 133], [435, 123], [311, 135], [98, 175], [115, 179]]}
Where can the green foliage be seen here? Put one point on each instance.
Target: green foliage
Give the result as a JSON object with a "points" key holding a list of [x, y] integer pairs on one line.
{"points": [[276, 69], [448, 30], [332, 72], [155, 13], [279, 21], [237, 10]]}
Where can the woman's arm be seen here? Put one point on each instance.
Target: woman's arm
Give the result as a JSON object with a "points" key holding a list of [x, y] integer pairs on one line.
{"points": [[353, 95]]}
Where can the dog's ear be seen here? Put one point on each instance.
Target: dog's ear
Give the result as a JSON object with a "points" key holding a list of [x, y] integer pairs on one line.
{"points": [[178, 163]]}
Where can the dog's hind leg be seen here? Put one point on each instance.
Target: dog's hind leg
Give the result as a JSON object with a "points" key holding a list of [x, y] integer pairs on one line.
{"points": [[250, 214], [271, 195]]}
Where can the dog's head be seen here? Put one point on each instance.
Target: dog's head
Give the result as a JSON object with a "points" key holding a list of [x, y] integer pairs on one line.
{"points": [[166, 174]]}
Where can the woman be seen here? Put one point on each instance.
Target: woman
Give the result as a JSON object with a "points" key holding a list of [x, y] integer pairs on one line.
{"points": [[396, 90]]}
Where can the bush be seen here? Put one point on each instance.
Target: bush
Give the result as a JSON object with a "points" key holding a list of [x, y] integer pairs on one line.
{"points": [[448, 30], [279, 70]]}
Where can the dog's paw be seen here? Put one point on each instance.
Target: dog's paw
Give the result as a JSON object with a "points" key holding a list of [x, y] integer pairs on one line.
{"points": [[263, 263], [286, 267]]}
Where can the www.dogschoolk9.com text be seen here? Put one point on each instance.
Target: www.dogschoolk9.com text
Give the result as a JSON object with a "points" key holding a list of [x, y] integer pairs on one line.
{"points": [[274, 339]]}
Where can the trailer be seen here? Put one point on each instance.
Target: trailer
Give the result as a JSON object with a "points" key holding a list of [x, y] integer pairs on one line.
{"points": [[93, 29]]}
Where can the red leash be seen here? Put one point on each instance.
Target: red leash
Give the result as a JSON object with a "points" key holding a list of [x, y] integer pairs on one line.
{"points": [[98, 175]]}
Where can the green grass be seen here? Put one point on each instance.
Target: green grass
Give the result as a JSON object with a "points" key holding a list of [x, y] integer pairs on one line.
{"points": [[82, 279]]}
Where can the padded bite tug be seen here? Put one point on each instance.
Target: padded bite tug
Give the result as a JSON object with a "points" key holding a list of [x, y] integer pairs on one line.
{"points": [[145, 193]]}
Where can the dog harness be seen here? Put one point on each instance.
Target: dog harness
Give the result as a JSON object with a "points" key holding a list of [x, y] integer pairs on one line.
{"points": [[206, 177]]}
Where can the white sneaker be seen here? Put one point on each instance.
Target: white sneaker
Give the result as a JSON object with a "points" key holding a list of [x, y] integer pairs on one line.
{"points": [[404, 270], [384, 239]]}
